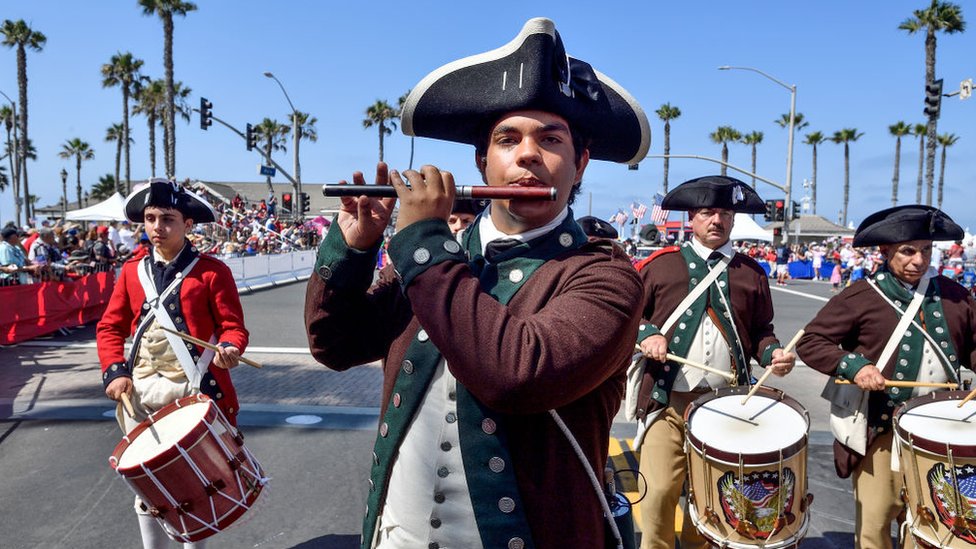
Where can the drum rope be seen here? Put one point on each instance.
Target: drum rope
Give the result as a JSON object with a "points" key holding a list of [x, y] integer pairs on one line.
{"points": [[204, 481], [256, 470], [169, 498]]}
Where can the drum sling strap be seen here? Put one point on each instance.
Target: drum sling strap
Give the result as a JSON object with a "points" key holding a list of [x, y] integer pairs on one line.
{"points": [[848, 403], [194, 370]]}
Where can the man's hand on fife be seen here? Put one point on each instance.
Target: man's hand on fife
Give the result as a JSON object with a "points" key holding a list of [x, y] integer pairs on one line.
{"points": [[363, 219], [430, 195]]}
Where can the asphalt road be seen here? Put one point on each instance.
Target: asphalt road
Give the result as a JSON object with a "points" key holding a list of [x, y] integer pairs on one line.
{"points": [[311, 428]]}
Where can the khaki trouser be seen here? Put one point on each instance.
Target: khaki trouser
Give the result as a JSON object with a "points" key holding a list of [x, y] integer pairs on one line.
{"points": [[662, 462], [877, 500]]}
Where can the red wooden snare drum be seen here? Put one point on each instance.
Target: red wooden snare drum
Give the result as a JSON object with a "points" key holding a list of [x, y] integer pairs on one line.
{"points": [[190, 467]]}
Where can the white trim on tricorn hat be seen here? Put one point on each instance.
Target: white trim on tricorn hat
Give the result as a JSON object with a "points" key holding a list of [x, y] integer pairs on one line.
{"points": [[164, 193], [906, 223], [714, 191], [457, 101]]}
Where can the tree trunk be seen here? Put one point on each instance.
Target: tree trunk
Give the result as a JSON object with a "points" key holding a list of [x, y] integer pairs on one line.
{"points": [[667, 153], [754, 165], [125, 139], [725, 157], [813, 186], [78, 178], [24, 140], [118, 163], [921, 165], [894, 178], [12, 159], [267, 156], [933, 120], [381, 141], [941, 176], [170, 119], [847, 181], [152, 145]]}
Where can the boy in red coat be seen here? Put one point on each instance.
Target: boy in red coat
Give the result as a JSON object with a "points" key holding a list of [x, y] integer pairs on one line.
{"points": [[173, 287]]}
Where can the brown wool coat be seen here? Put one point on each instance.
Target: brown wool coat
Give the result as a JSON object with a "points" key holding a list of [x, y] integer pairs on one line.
{"points": [[858, 320], [563, 341]]}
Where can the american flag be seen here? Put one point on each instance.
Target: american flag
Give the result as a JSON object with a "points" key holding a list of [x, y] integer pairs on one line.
{"points": [[658, 215], [638, 210], [619, 218]]}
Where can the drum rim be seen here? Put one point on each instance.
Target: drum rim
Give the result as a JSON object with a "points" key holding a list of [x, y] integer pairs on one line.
{"points": [[759, 458], [927, 444], [170, 453]]}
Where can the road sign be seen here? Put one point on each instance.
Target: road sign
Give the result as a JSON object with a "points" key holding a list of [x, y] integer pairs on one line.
{"points": [[269, 171], [966, 88]]}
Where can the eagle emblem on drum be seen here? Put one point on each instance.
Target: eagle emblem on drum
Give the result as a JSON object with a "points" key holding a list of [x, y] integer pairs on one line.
{"points": [[758, 504], [955, 498]]}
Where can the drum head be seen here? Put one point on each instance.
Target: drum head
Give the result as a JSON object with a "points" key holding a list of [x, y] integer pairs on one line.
{"points": [[761, 425], [942, 421], [163, 434]]}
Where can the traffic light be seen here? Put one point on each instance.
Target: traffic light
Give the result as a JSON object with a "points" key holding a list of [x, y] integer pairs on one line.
{"points": [[795, 213], [303, 198], [252, 139], [206, 117], [286, 202], [780, 212], [770, 210], [933, 98]]}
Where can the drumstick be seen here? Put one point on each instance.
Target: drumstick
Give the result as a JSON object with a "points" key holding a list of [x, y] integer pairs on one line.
{"points": [[127, 404], [787, 349], [693, 364], [893, 383], [210, 346], [968, 398]]}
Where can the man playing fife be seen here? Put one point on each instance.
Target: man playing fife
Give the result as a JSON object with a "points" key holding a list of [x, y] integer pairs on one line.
{"points": [[729, 323], [849, 338], [481, 339]]}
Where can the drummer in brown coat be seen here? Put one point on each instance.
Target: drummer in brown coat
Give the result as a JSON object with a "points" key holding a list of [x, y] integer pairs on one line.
{"points": [[848, 337], [482, 339], [723, 328]]}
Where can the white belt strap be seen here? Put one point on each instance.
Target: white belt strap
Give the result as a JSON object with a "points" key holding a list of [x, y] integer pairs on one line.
{"points": [[693, 296], [906, 318], [194, 370]]}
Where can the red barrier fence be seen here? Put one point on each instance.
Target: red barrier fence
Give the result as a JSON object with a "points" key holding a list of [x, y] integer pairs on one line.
{"points": [[32, 310]]}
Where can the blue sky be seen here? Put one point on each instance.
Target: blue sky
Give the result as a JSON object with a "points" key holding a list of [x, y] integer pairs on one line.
{"points": [[850, 63]]}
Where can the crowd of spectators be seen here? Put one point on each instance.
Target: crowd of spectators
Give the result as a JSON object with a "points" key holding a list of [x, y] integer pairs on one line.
{"points": [[63, 251]]}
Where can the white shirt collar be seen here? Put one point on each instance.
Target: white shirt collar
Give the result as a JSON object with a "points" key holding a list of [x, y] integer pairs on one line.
{"points": [[704, 251], [488, 232], [159, 259]]}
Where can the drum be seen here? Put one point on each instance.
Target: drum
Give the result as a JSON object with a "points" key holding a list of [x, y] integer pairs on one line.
{"points": [[747, 468], [191, 468], [936, 442]]}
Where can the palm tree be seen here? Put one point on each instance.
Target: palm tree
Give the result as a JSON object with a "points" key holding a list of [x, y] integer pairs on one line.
{"points": [[151, 103], [667, 113], [104, 188], [798, 123], [400, 103], [114, 134], [123, 71], [753, 139], [846, 136], [383, 116], [939, 16], [19, 34], [814, 139], [80, 150], [946, 140], [899, 130], [305, 130], [166, 9], [274, 135], [723, 135], [9, 123], [919, 131]]}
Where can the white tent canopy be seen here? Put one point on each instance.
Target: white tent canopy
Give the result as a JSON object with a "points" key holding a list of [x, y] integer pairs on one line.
{"points": [[747, 229], [110, 209]]}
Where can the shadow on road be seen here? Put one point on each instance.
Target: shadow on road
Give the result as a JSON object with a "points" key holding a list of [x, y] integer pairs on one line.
{"points": [[330, 541]]}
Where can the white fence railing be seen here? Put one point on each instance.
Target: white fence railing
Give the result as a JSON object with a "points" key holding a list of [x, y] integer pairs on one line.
{"points": [[257, 272]]}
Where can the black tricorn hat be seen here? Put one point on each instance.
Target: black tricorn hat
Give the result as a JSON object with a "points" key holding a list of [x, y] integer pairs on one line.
{"points": [[594, 226], [714, 191], [473, 206], [904, 223], [458, 101], [163, 193]]}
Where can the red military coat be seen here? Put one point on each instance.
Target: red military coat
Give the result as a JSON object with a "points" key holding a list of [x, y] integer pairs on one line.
{"points": [[208, 304]]}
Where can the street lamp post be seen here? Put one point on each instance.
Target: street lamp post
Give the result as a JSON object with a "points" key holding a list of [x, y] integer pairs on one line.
{"points": [[64, 194], [788, 186], [298, 205]]}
